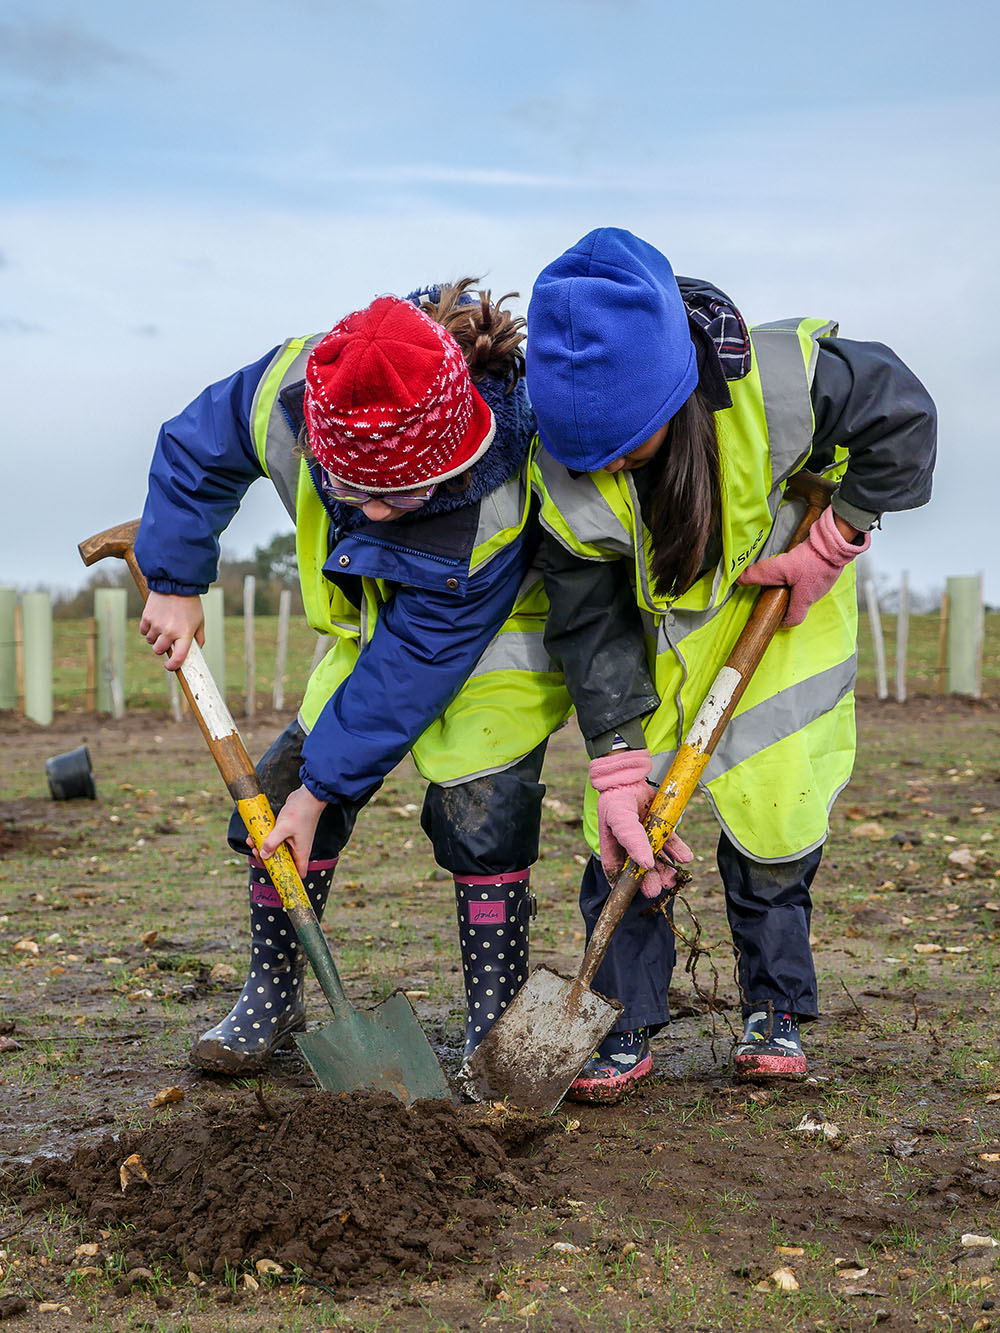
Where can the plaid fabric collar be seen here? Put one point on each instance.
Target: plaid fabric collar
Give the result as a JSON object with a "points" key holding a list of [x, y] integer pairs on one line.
{"points": [[720, 337]]}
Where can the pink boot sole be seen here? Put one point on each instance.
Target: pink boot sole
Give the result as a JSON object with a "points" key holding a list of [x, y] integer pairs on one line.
{"points": [[613, 1088], [765, 1066]]}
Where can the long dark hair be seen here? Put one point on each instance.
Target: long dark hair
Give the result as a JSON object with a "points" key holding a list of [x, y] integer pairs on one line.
{"points": [[491, 339], [686, 496]]}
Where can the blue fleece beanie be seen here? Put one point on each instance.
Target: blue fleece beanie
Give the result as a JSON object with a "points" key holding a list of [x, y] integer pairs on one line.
{"points": [[609, 355]]}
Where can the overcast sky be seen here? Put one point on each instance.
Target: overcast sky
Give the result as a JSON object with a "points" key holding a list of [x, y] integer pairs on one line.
{"points": [[186, 185]]}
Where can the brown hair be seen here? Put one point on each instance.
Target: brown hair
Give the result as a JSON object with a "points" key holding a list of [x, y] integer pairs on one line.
{"points": [[686, 496], [491, 339]]}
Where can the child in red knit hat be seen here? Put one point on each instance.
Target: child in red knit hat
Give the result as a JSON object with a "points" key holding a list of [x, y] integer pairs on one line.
{"points": [[398, 442]]}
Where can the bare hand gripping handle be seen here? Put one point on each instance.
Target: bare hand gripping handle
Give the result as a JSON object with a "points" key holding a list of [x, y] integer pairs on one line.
{"points": [[236, 767]]}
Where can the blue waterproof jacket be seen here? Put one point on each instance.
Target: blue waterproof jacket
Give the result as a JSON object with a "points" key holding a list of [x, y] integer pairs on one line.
{"points": [[440, 618]]}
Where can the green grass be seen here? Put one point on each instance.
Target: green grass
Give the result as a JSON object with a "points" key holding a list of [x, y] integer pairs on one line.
{"points": [[146, 686], [923, 654], [87, 879], [146, 679]]}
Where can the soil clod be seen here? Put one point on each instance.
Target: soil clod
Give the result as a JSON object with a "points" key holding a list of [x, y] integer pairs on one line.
{"points": [[358, 1187]]}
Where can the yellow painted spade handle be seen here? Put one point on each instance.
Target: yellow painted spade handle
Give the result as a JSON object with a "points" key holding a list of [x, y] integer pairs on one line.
{"points": [[236, 767], [691, 760]]}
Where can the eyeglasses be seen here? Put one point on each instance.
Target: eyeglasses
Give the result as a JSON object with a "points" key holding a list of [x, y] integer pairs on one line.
{"points": [[350, 495]]}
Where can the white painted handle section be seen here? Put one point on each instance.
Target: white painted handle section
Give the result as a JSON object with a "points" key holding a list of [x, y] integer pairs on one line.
{"points": [[211, 705], [716, 703]]}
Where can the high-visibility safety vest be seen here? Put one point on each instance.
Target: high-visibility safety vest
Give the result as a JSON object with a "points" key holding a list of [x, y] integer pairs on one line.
{"points": [[515, 696], [789, 748]]}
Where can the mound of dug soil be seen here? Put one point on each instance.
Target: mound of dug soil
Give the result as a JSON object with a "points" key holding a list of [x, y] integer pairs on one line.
{"points": [[348, 1187]]}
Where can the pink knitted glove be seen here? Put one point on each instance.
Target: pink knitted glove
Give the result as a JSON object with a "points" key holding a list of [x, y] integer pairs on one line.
{"points": [[663, 876], [624, 796], [810, 569]]}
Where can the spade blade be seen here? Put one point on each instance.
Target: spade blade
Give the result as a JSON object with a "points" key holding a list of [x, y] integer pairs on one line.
{"points": [[375, 1050], [540, 1043]]}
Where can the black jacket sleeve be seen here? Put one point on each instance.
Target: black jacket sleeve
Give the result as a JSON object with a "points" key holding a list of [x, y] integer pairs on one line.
{"points": [[866, 399], [593, 630]]}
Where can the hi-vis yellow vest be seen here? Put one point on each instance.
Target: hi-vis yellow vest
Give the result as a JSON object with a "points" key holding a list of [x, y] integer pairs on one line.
{"points": [[789, 748], [515, 696]]}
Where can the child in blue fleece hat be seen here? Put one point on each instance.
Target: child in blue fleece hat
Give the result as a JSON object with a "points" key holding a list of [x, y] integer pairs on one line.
{"points": [[669, 433], [607, 314]]}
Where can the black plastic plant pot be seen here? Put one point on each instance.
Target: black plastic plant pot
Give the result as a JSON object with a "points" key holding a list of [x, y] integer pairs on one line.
{"points": [[71, 776]]}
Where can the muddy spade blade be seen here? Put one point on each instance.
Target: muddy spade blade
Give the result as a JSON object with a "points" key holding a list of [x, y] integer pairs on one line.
{"points": [[545, 1037], [375, 1050], [383, 1048]]}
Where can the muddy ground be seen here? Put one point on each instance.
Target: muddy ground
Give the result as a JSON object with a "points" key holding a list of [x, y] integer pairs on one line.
{"points": [[844, 1202]]}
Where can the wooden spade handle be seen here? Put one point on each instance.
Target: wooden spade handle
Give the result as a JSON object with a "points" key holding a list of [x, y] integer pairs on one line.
{"points": [[710, 722], [236, 767]]}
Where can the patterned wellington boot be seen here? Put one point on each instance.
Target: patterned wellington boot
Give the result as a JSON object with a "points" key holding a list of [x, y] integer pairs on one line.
{"points": [[771, 1047], [620, 1064], [493, 916], [272, 1004]]}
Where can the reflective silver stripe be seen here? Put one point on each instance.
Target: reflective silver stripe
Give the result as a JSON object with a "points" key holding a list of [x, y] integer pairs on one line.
{"points": [[786, 521], [770, 721], [517, 650], [782, 715], [281, 457], [674, 626], [784, 385], [500, 511], [594, 521]]}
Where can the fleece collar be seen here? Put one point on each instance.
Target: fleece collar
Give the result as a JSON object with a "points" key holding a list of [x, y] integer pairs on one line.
{"points": [[504, 458], [720, 338]]}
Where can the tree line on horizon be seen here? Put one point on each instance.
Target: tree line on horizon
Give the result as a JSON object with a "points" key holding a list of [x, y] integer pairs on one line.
{"points": [[274, 566]]}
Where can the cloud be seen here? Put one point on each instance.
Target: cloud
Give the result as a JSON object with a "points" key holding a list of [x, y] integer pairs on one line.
{"points": [[485, 177], [55, 54], [13, 324], [880, 218]]}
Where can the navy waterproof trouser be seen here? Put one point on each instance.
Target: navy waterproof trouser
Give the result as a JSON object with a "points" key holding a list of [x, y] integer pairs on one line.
{"points": [[769, 909], [487, 826], [640, 959], [485, 832]]}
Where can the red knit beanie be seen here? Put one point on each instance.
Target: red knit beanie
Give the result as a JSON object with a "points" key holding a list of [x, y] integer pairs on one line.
{"points": [[389, 403]]}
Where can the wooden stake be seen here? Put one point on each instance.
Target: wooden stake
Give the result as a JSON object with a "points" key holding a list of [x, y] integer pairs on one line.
{"points": [[174, 695], [91, 699], [281, 652], [878, 642], [19, 655], [942, 668], [902, 636], [980, 639], [250, 642]]}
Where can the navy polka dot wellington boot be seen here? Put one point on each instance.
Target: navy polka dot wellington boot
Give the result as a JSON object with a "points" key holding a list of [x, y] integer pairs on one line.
{"points": [[272, 1003], [493, 916]]}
